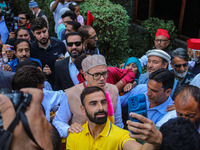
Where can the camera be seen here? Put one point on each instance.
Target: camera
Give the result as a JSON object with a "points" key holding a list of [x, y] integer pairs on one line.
{"points": [[11, 21], [17, 97], [137, 104]]}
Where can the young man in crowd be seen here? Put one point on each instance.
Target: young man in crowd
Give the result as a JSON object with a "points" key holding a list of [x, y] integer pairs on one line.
{"points": [[98, 131], [46, 49]]}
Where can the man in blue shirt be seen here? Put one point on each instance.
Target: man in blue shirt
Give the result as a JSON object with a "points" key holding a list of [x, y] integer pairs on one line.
{"points": [[22, 52], [157, 59], [3, 28], [158, 94]]}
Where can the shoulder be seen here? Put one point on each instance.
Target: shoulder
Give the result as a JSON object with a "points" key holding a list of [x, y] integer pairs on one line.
{"points": [[63, 61], [111, 87], [75, 89]]}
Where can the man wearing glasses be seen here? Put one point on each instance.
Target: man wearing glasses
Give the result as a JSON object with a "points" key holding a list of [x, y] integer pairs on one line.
{"points": [[162, 41], [23, 22], [65, 70], [179, 64], [95, 73]]}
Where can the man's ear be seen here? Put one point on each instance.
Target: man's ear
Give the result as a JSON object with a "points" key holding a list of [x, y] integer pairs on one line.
{"points": [[197, 53], [165, 65], [83, 110], [85, 75], [168, 42], [168, 91], [172, 65]]}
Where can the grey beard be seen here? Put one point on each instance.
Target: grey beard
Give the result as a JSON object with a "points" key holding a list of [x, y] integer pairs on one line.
{"points": [[180, 75]]}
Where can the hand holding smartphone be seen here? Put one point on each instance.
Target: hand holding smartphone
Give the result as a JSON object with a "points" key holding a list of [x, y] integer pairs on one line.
{"points": [[137, 104]]}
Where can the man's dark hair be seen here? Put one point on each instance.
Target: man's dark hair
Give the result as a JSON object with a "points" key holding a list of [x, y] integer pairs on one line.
{"points": [[70, 14], [55, 138], [74, 33], [180, 134], [26, 14], [187, 90], [76, 25], [27, 76], [84, 30], [89, 90], [72, 6], [31, 63], [38, 23], [163, 76], [180, 52], [18, 41], [79, 60], [22, 28]]}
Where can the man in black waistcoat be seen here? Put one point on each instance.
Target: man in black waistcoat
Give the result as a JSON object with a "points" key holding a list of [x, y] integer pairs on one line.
{"points": [[65, 69], [33, 5]]}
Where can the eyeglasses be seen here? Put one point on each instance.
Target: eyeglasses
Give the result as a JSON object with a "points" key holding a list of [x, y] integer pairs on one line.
{"points": [[97, 76], [22, 18], [160, 40], [179, 66], [70, 44]]}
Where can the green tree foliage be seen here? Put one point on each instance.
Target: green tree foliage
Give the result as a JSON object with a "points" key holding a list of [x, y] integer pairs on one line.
{"points": [[152, 24], [112, 26]]}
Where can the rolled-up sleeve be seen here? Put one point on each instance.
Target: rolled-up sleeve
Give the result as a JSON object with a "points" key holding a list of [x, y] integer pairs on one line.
{"points": [[62, 117], [118, 114]]}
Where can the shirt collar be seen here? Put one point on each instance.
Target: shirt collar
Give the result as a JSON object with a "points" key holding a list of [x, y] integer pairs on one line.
{"points": [[2, 19], [162, 107], [70, 60], [105, 132], [38, 12]]}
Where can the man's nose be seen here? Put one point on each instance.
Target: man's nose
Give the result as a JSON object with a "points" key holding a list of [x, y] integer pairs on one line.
{"points": [[148, 92], [100, 106]]}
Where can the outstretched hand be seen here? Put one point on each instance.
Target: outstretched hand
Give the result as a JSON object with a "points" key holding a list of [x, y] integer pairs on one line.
{"points": [[145, 131]]}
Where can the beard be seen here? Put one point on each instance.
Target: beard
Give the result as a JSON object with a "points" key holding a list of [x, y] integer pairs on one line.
{"points": [[75, 55], [99, 121], [43, 41], [180, 75], [23, 58]]}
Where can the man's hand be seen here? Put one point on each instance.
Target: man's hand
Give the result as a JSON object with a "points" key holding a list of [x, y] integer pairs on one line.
{"points": [[75, 127], [129, 87], [170, 107], [47, 70], [145, 131], [39, 126], [7, 68]]}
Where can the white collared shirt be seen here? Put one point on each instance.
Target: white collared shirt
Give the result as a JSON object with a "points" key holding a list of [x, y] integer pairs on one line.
{"points": [[73, 71]]}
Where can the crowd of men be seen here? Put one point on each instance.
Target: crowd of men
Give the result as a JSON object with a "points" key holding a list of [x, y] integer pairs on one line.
{"points": [[78, 102]]}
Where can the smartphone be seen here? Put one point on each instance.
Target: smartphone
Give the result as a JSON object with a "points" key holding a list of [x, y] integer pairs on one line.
{"points": [[137, 104]]}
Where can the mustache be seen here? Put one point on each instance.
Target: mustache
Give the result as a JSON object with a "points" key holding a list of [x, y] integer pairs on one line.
{"points": [[24, 57], [100, 112]]}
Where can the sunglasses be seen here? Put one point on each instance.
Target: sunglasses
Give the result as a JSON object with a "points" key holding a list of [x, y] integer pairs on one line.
{"points": [[179, 66], [70, 44]]}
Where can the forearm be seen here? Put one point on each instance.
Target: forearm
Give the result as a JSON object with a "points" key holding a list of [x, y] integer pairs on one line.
{"points": [[120, 85], [148, 146], [54, 6]]}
